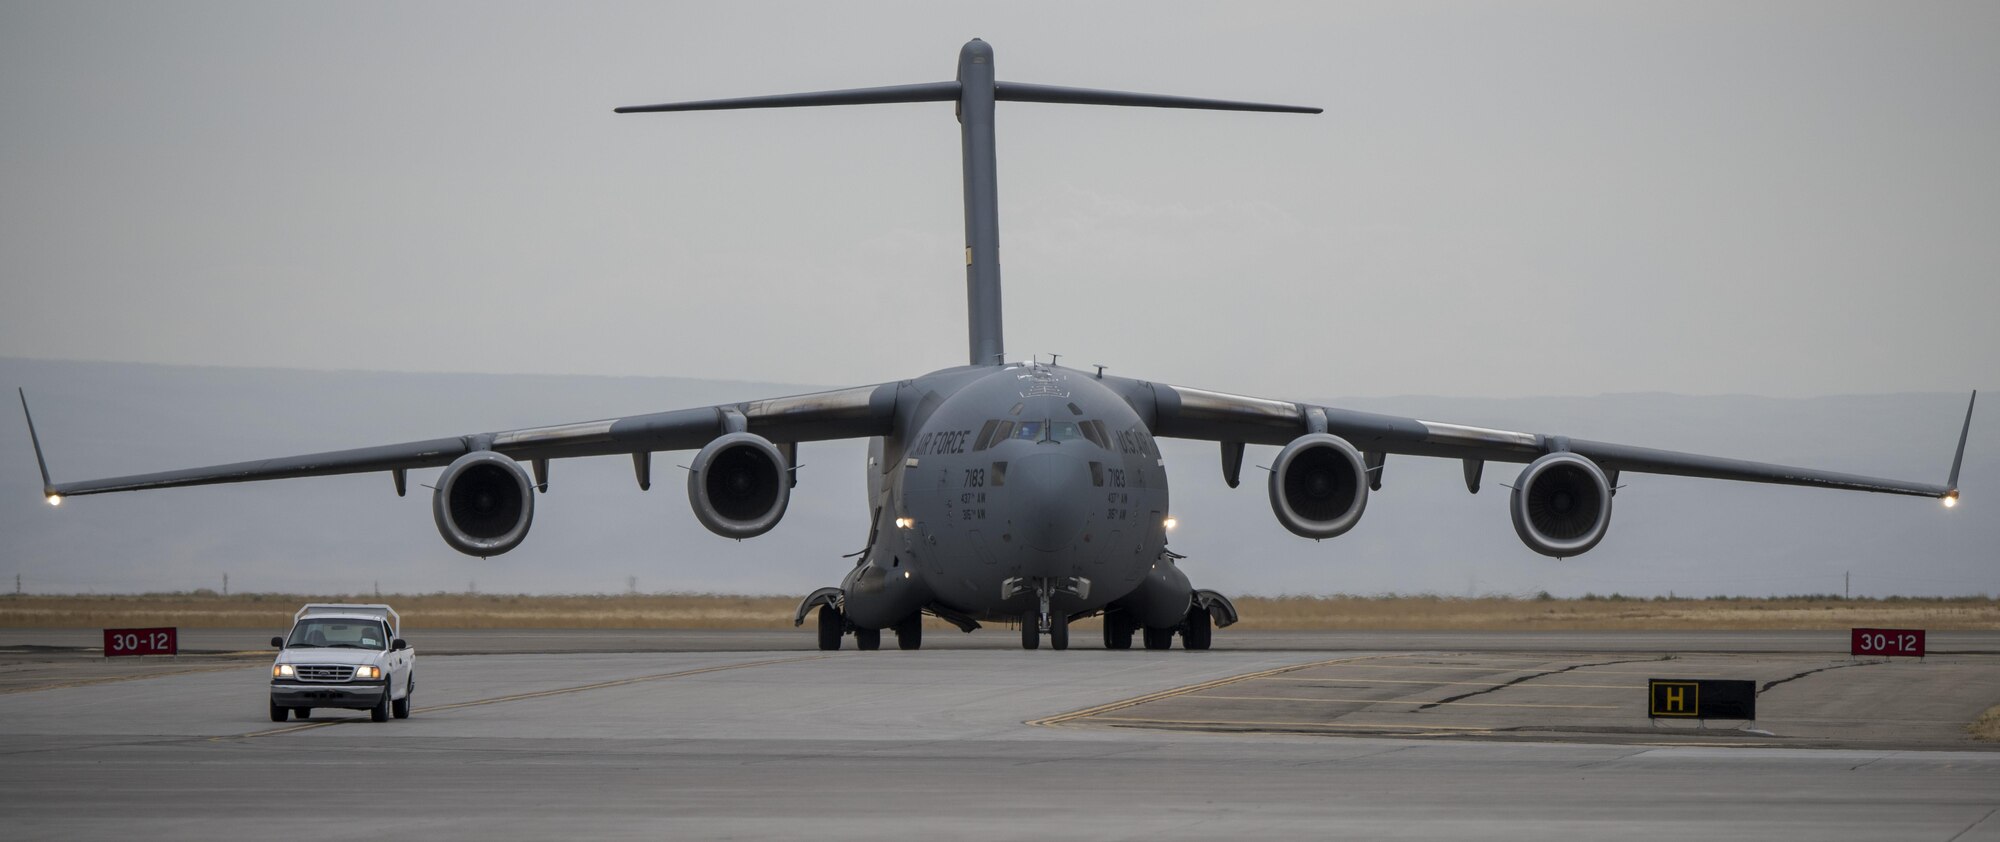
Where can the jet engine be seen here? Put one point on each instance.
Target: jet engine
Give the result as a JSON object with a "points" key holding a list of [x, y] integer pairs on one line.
{"points": [[739, 485], [1319, 485], [483, 504], [1561, 505]]}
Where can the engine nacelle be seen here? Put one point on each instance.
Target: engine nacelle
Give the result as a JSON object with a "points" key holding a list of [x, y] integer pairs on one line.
{"points": [[739, 485], [1319, 486], [483, 504], [1561, 505]]}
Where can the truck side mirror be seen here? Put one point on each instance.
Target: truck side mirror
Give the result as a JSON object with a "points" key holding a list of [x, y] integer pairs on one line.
{"points": [[278, 642], [399, 645]]}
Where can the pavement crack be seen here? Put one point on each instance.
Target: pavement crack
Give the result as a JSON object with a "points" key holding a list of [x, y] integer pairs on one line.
{"points": [[1544, 674], [1969, 828], [1770, 684]]}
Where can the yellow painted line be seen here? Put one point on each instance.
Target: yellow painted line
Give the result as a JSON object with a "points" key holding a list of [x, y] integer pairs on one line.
{"points": [[558, 691], [1243, 723], [1093, 712], [1399, 702], [1473, 683], [1664, 666]]}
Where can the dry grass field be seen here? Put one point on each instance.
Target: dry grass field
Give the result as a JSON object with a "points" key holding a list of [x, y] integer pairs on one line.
{"points": [[202, 609]]}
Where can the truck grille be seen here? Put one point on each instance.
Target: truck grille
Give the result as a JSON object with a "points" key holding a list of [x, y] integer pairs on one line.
{"points": [[325, 672]]}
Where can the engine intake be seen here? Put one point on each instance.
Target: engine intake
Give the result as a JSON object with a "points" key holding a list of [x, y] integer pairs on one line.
{"points": [[739, 485], [483, 504], [1561, 505], [1319, 486]]}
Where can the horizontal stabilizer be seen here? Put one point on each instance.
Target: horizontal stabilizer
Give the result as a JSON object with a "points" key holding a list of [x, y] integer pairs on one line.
{"points": [[1023, 92], [928, 92]]}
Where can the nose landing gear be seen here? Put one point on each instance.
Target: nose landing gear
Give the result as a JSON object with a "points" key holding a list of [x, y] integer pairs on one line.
{"points": [[1043, 620]]}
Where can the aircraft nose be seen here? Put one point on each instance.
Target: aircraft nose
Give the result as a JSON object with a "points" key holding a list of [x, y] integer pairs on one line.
{"points": [[1050, 508]]}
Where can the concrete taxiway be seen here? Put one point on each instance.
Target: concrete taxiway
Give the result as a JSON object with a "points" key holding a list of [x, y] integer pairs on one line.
{"points": [[991, 742]]}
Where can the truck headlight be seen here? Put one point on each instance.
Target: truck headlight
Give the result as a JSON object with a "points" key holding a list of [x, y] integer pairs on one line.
{"points": [[367, 672], [281, 671]]}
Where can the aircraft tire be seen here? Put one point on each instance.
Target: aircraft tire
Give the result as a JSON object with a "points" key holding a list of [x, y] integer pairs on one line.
{"points": [[829, 629], [1117, 631], [1031, 632], [1159, 638], [910, 632], [1200, 630], [1059, 631], [867, 640]]}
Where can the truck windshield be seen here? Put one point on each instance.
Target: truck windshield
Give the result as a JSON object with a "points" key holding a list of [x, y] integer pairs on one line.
{"points": [[339, 633]]}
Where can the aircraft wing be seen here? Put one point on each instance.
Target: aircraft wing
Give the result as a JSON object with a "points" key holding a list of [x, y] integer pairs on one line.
{"points": [[845, 413], [1182, 412]]}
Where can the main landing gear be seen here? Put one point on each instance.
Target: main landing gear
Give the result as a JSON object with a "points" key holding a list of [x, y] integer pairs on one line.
{"points": [[833, 624], [1206, 612]]}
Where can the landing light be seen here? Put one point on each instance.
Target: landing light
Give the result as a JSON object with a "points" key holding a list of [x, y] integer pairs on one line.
{"points": [[1951, 500], [1173, 522], [904, 523], [55, 499]]}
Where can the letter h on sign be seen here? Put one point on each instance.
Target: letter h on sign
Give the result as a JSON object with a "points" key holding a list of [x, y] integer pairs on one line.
{"points": [[1675, 698]]}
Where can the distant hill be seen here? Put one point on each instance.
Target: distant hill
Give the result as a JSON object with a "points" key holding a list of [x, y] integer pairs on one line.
{"points": [[1422, 532]]}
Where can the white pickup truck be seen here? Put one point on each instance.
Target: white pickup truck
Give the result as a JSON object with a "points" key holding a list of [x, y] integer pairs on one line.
{"points": [[343, 656]]}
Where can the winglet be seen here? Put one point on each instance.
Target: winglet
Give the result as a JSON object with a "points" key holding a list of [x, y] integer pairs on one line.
{"points": [[49, 488], [1960, 456]]}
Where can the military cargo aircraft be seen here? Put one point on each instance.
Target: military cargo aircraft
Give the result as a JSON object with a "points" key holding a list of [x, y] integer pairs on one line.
{"points": [[1006, 491]]}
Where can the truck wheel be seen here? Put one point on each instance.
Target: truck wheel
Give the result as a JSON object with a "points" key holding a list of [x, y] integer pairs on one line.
{"points": [[401, 708], [279, 712], [380, 712]]}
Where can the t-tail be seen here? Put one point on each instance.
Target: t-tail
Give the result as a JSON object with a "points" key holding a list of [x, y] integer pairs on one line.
{"points": [[975, 91]]}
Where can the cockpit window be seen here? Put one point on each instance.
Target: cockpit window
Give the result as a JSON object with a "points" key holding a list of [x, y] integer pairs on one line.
{"points": [[1062, 431], [985, 436], [1094, 430], [1029, 430]]}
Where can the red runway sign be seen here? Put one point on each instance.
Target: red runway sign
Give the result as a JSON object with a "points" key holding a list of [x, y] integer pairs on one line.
{"points": [[1882, 643], [141, 642]]}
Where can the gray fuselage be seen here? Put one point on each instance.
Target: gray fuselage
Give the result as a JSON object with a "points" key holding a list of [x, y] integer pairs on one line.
{"points": [[1014, 473]]}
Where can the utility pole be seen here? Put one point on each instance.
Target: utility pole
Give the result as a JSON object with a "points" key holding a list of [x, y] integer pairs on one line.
{"points": [[631, 585], [17, 584], [225, 584], [1847, 585], [378, 588]]}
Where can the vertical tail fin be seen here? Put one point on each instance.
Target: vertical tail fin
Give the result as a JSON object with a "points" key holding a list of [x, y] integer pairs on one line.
{"points": [[975, 91]]}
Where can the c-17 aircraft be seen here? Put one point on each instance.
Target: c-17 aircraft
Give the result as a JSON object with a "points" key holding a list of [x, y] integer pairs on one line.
{"points": [[1023, 492]]}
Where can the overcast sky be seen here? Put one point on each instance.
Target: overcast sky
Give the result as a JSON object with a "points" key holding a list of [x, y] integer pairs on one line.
{"points": [[1502, 199]]}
